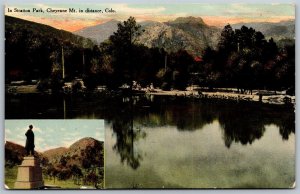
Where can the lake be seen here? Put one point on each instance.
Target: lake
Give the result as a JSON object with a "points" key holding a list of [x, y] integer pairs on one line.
{"points": [[176, 142]]}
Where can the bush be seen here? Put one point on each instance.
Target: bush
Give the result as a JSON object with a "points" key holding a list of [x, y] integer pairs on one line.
{"points": [[43, 85]]}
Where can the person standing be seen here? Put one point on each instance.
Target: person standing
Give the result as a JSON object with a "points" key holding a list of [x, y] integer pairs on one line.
{"points": [[30, 141]]}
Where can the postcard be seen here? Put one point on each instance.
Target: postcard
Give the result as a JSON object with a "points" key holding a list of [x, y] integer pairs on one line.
{"points": [[149, 96]]}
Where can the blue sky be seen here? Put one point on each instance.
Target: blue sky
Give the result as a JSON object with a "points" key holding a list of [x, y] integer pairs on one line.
{"points": [[53, 133]]}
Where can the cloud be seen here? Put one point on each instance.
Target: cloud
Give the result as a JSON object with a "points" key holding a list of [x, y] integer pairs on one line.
{"points": [[74, 133], [49, 147], [20, 137], [99, 135], [38, 130], [7, 134], [19, 130], [125, 9], [68, 138], [8, 131], [67, 143], [50, 130], [39, 140]]}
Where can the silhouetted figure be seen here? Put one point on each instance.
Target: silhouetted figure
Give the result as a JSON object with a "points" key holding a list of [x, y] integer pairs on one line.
{"points": [[30, 141]]}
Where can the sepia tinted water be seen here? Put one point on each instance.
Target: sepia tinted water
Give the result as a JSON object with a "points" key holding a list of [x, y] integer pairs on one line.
{"points": [[175, 142], [191, 144]]}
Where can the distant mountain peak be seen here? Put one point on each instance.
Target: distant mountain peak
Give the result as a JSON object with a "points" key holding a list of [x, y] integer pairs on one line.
{"points": [[84, 142], [99, 32], [148, 23], [86, 139], [113, 20], [189, 19]]}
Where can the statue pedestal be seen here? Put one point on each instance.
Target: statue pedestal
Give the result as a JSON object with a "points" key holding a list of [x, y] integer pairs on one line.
{"points": [[29, 174]]}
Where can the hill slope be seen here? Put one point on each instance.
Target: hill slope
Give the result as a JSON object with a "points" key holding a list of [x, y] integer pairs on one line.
{"points": [[84, 150], [14, 25], [55, 153], [278, 31], [189, 33], [14, 153], [31, 49], [99, 33]]}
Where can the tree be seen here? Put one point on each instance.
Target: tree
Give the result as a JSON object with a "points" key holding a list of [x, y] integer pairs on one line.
{"points": [[244, 37], [54, 172], [180, 63], [64, 174], [127, 33], [63, 161], [122, 45], [244, 59], [227, 41], [77, 174]]}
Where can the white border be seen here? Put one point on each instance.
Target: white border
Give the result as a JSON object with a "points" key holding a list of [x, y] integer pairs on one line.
{"points": [[246, 191]]}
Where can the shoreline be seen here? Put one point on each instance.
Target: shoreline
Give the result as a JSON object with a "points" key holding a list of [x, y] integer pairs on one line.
{"points": [[267, 97], [279, 99]]}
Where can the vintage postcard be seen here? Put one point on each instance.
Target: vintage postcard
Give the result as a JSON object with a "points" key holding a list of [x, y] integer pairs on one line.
{"points": [[139, 96]]}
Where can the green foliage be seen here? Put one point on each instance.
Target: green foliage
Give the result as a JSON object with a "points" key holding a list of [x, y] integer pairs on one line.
{"points": [[126, 34], [77, 174], [121, 48], [246, 60], [34, 51], [10, 175], [243, 59]]}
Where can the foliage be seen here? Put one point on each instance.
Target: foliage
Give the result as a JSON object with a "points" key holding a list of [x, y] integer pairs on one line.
{"points": [[244, 58], [10, 174], [122, 49], [34, 51]]}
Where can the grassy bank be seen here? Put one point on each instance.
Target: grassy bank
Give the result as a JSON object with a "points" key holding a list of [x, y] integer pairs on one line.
{"points": [[11, 177], [66, 184]]}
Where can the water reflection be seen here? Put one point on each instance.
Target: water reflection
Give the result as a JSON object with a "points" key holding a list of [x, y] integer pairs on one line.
{"points": [[245, 125], [241, 126], [127, 135], [240, 123], [287, 126]]}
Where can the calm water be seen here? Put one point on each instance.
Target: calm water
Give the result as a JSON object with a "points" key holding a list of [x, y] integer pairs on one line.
{"points": [[169, 142]]}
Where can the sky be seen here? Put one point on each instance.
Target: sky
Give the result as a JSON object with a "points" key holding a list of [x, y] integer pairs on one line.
{"points": [[218, 14], [53, 133]]}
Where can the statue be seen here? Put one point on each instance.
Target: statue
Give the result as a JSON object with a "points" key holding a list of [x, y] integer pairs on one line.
{"points": [[29, 172], [30, 141]]}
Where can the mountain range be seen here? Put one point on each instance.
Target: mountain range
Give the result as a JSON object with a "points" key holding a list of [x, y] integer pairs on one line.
{"points": [[188, 33], [75, 154], [278, 30], [93, 32]]}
